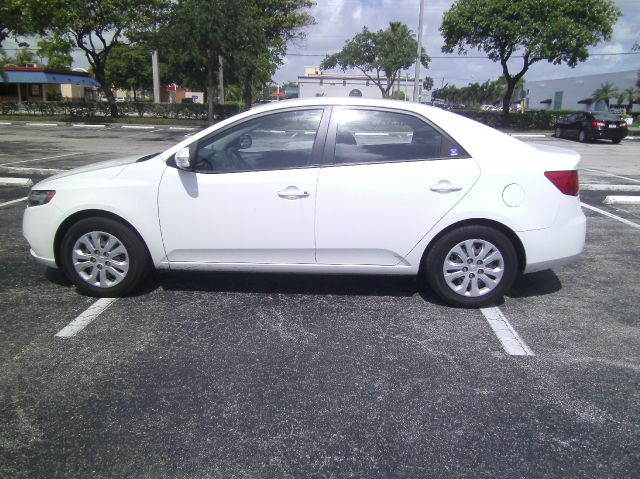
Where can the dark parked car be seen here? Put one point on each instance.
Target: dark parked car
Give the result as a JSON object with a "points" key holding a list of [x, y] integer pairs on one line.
{"points": [[588, 126]]}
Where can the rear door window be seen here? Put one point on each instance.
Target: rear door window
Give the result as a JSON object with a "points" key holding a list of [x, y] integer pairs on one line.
{"points": [[375, 136]]}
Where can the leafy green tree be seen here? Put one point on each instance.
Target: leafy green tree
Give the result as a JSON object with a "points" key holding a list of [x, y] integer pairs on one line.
{"points": [[266, 28], [129, 68], [12, 21], [632, 96], [558, 31], [251, 37], [57, 51], [605, 92], [427, 84], [26, 57], [381, 55], [96, 27]]}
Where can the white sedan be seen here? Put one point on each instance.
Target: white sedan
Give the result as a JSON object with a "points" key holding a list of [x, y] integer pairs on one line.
{"points": [[327, 185]]}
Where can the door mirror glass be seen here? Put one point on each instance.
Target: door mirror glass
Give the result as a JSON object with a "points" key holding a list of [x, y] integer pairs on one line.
{"points": [[183, 159]]}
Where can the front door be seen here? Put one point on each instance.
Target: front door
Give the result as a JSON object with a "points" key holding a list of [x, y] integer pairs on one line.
{"points": [[251, 198]]}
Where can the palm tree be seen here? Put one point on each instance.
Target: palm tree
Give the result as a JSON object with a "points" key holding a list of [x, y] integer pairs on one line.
{"points": [[605, 92], [632, 97]]}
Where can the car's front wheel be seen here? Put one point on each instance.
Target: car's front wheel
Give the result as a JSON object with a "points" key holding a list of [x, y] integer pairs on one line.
{"points": [[103, 257], [471, 266]]}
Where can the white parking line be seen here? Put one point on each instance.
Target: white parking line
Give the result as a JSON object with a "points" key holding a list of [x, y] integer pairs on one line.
{"points": [[41, 124], [528, 135], [5, 123], [82, 125], [16, 182], [611, 174], [182, 128], [511, 341], [606, 213], [78, 324], [43, 158], [601, 187], [622, 200], [12, 202], [138, 127]]}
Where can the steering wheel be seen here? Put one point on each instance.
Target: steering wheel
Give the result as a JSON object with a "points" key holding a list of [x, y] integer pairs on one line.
{"points": [[239, 162]]}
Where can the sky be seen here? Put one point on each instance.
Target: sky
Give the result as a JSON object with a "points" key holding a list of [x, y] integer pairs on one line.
{"points": [[339, 20]]}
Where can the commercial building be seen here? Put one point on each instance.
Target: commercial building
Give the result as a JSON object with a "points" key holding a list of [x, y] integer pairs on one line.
{"points": [[35, 84], [316, 82], [576, 93]]}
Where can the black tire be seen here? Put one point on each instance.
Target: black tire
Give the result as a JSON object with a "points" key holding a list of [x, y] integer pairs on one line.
{"points": [[506, 267], [616, 141], [582, 136], [126, 248]]}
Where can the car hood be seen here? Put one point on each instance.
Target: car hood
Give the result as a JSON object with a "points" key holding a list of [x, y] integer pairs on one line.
{"points": [[116, 164]]}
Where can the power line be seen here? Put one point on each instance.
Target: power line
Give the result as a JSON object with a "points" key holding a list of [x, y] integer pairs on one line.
{"points": [[464, 57]]}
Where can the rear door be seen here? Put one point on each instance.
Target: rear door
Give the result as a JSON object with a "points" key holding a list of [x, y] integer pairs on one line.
{"points": [[387, 178]]}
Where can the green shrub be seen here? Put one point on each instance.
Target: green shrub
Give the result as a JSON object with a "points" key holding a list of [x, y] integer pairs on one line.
{"points": [[91, 110]]}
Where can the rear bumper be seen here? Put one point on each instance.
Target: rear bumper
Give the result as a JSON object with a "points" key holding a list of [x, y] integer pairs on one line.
{"points": [[609, 134], [560, 244]]}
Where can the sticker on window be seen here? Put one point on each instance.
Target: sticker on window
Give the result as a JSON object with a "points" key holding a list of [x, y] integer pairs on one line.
{"points": [[453, 152]]}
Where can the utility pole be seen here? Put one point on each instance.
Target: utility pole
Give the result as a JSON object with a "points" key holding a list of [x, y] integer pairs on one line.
{"points": [[416, 84], [220, 82], [156, 76]]}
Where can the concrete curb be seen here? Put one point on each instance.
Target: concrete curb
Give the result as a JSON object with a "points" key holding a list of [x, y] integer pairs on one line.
{"points": [[622, 200], [25, 182]]}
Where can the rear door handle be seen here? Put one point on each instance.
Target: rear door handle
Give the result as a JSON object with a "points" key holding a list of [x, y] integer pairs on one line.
{"points": [[292, 193], [445, 186]]}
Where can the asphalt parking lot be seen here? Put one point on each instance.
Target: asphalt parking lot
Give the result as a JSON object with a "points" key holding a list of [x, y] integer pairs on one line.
{"points": [[274, 376]]}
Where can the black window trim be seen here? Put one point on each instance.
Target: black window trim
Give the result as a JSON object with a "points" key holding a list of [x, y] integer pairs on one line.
{"points": [[317, 151], [330, 141]]}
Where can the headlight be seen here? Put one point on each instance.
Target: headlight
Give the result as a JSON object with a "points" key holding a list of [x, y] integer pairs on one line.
{"points": [[40, 197]]}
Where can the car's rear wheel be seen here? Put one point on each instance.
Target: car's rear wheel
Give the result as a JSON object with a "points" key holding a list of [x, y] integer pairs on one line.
{"points": [[471, 266], [616, 141], [103, 257], [582, 136]]}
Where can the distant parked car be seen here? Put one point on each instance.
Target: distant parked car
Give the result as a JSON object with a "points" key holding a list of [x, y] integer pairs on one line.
{"points": [[325, 185], [588, 126]]}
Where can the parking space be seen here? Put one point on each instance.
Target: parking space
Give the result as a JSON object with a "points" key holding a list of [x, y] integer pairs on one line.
{"points": [[248, 375]]}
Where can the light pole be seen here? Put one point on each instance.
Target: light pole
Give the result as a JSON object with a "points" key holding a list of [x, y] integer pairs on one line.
{"points": [[416, 83]]}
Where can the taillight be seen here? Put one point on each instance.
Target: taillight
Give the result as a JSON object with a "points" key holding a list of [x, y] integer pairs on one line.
{"points": [[598, 124], [565, 181]]}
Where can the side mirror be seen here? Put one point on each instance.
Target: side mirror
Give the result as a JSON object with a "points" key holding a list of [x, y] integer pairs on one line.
{"points": [[183, 159]]}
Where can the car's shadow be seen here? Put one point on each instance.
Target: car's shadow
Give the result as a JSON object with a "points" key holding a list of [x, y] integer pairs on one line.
{"points": [[530, 285], [535, 284]]}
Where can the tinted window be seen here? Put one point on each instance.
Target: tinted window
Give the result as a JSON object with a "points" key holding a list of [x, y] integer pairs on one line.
{"points": [[607, 117], [271, 142], [365, 136]]}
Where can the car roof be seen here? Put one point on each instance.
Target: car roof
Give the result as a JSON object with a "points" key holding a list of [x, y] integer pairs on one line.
{"points": [[342, 101]]}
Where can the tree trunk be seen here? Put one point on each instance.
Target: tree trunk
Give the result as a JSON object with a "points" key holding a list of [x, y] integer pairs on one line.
{"points": [[210, 86], [248, 93], [506, 100], [101, 78]]}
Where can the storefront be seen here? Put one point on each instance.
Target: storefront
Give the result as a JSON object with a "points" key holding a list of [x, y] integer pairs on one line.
{"points": [[42, 84]]}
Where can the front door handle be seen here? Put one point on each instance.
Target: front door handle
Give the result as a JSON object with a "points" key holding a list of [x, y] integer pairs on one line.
{"points": [[445, 186], [292, 193]]}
